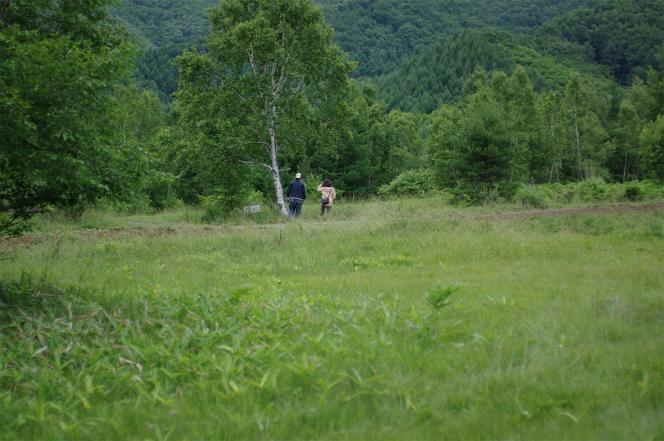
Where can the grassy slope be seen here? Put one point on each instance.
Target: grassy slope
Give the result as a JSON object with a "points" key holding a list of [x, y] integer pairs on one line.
{"points": [[325, 331]]}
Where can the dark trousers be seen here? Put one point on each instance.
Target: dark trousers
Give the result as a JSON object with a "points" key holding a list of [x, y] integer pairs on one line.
{"points": [[295, 207], [324, 208]]}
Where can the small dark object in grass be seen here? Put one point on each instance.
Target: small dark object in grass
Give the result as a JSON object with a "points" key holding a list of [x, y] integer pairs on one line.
{"points": [[633, 193]]}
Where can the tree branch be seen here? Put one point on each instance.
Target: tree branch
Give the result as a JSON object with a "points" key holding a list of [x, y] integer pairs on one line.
{"points": [[244, 100], [253, 163], [252, 61]]}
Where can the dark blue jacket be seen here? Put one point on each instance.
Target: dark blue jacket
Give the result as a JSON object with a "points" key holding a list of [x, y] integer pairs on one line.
{"points": [[296, 189]]}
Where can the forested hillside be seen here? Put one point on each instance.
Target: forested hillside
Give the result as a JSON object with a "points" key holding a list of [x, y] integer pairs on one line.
{"points": [[163, 29], [610, 40], [623, 35], [163, 23], [437, 74], [381, 34], [475, 98], [421, 46]]}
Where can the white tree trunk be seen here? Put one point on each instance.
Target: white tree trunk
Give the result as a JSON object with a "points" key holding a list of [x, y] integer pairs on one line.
{"points": [[276, 180], [274, 165], [578, 145]]}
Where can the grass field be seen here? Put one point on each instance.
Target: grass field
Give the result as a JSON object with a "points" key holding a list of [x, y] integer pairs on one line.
{"points": [[397, 320]]}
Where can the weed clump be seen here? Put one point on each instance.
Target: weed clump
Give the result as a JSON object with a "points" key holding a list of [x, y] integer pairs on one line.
{"points": [[633, 192], [438, 297], [532, 196]]}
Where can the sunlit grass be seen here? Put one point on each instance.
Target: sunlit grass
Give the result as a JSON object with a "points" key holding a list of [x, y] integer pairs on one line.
{"points": [[400, 320]]}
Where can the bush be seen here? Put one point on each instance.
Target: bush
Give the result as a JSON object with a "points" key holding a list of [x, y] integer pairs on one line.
{"points": [[473, 193], [222, 203], [217, 206], [411, 183], [652, 140], [534, 196], [160, 188], [633, 192], [139, 204], [651, 189], [593, 190]]}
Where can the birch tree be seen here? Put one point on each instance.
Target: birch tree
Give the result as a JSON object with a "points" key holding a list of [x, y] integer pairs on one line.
{"points": [[269, 62]]}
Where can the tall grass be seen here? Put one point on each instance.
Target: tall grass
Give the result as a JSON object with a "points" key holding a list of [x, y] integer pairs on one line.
{"points": [[408, 320]]}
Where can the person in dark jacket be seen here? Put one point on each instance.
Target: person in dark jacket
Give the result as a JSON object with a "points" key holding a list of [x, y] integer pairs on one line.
{"points": [[296, 194]]}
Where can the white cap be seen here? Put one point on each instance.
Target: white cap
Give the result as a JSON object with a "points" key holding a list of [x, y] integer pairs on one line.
{"points": [[298, 175]]}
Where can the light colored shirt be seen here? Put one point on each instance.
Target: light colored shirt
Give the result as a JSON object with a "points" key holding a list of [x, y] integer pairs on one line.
{"points": [[330, 192]]}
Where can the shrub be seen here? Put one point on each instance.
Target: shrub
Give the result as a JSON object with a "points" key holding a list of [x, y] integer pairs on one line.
{"points": [[221, 203], [534, 196], [652, 140], [593, 190], [411, 182], [633, 192], [473, 193], [137, 204], [651, 189], [161, 191]]}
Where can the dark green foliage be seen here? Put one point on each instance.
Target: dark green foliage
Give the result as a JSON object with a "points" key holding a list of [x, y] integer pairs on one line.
{"points": [[481, 148], [345, 151], [58, 66], [156, 70], [476, 159], [520, 93], [633, 193], [623, 35], [532, 196], [417, 42], [163, 29], [223, 201], [379, 35], [140, 174], [410, 183], [652, 139], [271, 76], [166, 23], [437, 74], [361, 145], [591, 191]]}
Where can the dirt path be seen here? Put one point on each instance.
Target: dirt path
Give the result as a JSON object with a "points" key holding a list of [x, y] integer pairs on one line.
{"points": [[609, 209], [170, 230]]}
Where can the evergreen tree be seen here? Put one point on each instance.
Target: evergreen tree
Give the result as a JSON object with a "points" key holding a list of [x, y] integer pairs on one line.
{"points": [[474, 150]]}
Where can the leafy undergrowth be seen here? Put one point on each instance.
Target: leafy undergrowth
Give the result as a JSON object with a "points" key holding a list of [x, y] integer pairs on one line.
{"points": [[423, 327], [78, 365]]}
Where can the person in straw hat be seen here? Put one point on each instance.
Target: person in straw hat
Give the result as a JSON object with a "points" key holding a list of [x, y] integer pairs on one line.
{"points": [[296, 194]]}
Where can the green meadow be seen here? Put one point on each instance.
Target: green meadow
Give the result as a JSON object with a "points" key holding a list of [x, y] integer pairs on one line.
{"points": [[401, 320]]}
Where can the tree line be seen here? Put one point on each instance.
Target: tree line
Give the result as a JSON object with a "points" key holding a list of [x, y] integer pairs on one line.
{"points": [[271, 94]]}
